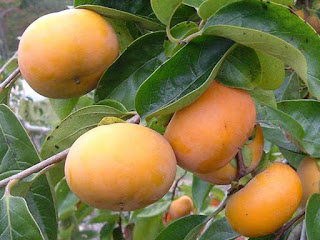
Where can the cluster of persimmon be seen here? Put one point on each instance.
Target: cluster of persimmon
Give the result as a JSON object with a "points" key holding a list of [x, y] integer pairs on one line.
{"points": [[123, 166]]}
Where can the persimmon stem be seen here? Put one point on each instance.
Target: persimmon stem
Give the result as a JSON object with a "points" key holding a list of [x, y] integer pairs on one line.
{"points": [[10, 185], [49, 161], [189, 38], [176, 185], [285, 227], [12, 77], [241, 168]]}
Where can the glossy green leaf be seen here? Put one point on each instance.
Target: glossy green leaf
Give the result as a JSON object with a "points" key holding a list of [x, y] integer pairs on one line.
{"points": [[313, 217], [209, 7], [272, 29], [183, 78], [164, 9], [117, 14], [284, 2], [279, 127], [292, 157], [72, 127], [263, 97], [180, 228], [194, 233], [307, 113], [147, 228], [241, 69], [154, 209], [219, 230], [184, 13], [18, 153], [66, 200], [194, 3], [122, 79], [101, 216], [200, 191], [16, 221], [63, 107], [137, 7], [179, 31], [290, 88], [272, 71]]}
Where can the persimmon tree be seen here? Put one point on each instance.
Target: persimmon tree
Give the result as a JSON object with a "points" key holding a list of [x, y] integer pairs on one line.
{"points": [[232, 85]]}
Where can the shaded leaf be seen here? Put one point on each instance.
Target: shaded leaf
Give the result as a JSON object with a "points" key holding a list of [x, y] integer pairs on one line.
{"points": [[219, 230], [122, 79], [147, 228], [200, 191], [164, 9], [63, 107], [209, 7], [154, 209], [180, 228], [263, 97]]}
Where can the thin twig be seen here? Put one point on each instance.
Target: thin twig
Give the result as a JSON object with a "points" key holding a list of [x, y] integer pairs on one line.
{"points": [[36, 168], [189, 38], [33, 128], [8, 62], [48, 162], [285, 227], [12, 77], [241, 168], [176, 185]]}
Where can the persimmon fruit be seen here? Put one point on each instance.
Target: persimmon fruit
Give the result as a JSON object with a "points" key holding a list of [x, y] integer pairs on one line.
{"points": [[228, 173], [266, 202], [120, 167], [206, 134], [64, 54], [309, 174], [180, 207]]}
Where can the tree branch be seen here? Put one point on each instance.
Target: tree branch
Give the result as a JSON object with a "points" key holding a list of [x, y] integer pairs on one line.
{"points": [[241, 168], [48, 162], [12, 77], [289, 224], [176, 185]]}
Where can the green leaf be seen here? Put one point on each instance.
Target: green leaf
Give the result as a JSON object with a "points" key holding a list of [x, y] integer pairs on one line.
{"points": [[113, 103], [122, 79], [18, 153], [272, 29], [307, 113], [16, 221], [219, 230], [63, 107], [179, 31], [164, 9], [292, 157], [209, 7], [183, 78], [290, 88], [313, 217], [180, 228], [117, 14], [147, 228], [284, 2], [72, 127], [4, 96], [117, 234], [154, 209], [193, 234], [200, 191], [193, 3], [280, 128], [66, 200], [137, 7], [241, 69], [101, 216], [106, 231], [123, 34], [263, 97], [272, 71]]}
